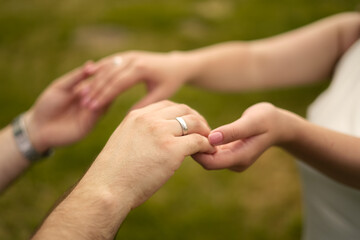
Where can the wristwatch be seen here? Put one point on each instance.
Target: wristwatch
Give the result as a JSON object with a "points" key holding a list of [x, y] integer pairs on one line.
{"points": [[23, 141]]}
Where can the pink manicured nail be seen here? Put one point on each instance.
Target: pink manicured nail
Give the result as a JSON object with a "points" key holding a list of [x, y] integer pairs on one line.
{"points": [[216, 138]]}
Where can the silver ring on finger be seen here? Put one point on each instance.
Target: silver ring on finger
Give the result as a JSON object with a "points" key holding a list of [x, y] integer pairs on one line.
{"points": [[183, 125]]}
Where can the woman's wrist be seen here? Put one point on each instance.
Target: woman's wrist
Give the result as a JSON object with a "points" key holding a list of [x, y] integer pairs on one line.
{"points": [[189, 63], [291, 126]]}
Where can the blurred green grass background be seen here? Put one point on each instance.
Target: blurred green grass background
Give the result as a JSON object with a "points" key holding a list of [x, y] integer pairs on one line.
{"points": [[40, 40]]}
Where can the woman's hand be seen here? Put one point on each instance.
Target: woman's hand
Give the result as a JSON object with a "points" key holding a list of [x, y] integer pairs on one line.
{"points": [[263, 125], [163, 74], [147, 148], [240, 143]]}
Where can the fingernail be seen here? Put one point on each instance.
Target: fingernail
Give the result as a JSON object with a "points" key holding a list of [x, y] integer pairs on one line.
{"points": [[216, 138], [90, 69]]}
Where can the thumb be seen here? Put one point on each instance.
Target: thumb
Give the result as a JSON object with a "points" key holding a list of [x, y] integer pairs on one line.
{"points": [[242, 128]]}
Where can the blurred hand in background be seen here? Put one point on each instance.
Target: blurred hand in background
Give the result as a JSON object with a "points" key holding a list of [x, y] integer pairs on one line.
{"points": [[57, 117], [163, 74]]}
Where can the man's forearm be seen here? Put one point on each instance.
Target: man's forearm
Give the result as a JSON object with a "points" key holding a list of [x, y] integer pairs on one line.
{"points": [[93, 210]]}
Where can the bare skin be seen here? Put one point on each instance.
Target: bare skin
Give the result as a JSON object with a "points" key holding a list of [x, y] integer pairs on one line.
{"points": [[298, 57], [122, 177]]}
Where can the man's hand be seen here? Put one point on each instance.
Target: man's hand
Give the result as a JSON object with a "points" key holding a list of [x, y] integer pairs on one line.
{"points": [[140, 156], [57, 118], [148, 147]]}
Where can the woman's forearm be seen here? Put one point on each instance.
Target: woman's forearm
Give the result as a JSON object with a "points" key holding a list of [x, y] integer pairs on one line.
{"points": [[302, 56], [333, 153], [224, 67], [263, 125]]}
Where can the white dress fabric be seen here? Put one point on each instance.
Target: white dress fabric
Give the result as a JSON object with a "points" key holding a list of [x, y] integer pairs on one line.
{"points": [[332, 209]]}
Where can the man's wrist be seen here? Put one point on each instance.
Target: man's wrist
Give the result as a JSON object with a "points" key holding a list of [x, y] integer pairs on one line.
{"points": [[34, 132], [107, 176], [89, 211], [24, 142]]}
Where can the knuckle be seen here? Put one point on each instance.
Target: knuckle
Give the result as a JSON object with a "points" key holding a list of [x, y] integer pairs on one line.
{"points": [[185, 107], [193, 119], [133, 114], [154, 126], [140, 65], [196, 118], [167, 102], [199, 140], [138, 116], [196, 125], [167, 144]]}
